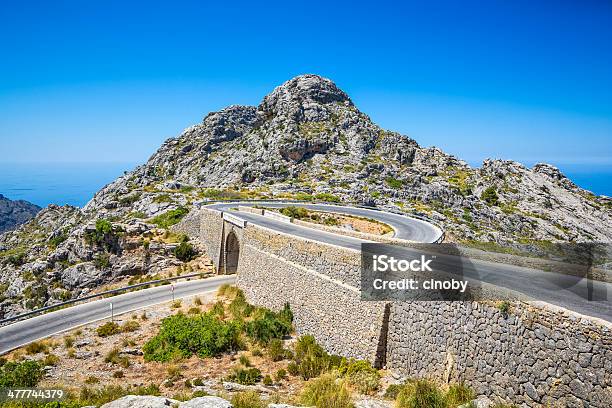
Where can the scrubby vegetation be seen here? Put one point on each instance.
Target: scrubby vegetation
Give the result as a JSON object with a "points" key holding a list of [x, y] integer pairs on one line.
{"points": [[169, 218], [489, 195], [185, 251], [326, 392], [24, 374]]}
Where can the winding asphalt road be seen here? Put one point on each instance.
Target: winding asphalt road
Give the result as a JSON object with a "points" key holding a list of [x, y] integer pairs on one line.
{"points": [[405, 227], [35, 328], [566, 291]]}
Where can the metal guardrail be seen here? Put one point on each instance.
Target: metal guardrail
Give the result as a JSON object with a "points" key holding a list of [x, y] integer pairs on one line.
{"points": [[101, 294], [413, 215]]}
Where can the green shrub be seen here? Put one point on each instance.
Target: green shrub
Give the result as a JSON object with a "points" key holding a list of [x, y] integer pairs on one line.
{"points": [[183, 336], [489, 195], [130, 326], [244, 360], [294, 212], [256, 352], [247, 399], [169, 218], [281, 374], [114, 357], [55, 241], [245, 376], [327, 197], [276, 351], [16, 258], [311, 359], [24, 374], [326, 392], [50, 360], [130, 199], [420, 394], [394, 183], [108, 329], [459, 394], [361, 375], [162, 198], [393, 390], [185, 252], [267, 325], [267, 380], [303, 196], [37, 347], [102, 261], [103, 229]]}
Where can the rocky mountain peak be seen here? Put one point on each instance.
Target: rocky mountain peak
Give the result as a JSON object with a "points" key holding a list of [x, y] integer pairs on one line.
{"points": [[302, 91]]}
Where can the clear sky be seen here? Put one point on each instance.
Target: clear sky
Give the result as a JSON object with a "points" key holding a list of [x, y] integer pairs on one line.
{"points": [[108, 81]]}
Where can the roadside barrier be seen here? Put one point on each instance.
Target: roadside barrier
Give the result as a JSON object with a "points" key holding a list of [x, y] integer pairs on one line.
{"points": [[101, 294]]}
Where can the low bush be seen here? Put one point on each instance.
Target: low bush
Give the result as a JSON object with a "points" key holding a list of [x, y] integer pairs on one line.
{"points": [[489, 195], [37, 347], [459, 394], [108, 329], [114, 357], [185, 252], [247, 399], [244, 360], [169, 218], [393, 390], [182, 336], [420, 394], [50, 360], [327, 197], [130, 326], [24, 374], [267, 325], [294, 212], [281, 374], [360, 375], [92, 380], [267, 380], [326, 392], [310, 359], [276, 351], [245, 376], [102, 261]]}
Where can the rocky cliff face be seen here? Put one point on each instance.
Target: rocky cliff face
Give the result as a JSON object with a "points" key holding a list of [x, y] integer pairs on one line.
{"points": [[15, 213], [306, 139]]}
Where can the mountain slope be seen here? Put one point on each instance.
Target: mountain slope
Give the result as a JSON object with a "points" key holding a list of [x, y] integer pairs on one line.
{"points": [[306, 139], [15, 213]]}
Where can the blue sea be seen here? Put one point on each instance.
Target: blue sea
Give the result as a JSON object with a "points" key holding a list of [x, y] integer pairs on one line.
{"points": [[75, 184], [52, 183]]}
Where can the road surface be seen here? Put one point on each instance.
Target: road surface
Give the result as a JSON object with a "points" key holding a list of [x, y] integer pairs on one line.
{"points": [[565, 291], [35, 328], [405, 227]]}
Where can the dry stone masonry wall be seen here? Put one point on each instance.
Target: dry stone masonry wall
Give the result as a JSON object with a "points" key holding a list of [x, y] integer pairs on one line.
{"points": [[531, 355]]}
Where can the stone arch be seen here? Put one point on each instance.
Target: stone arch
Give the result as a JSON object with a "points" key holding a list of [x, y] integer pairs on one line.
{"points": [[232, 253]]}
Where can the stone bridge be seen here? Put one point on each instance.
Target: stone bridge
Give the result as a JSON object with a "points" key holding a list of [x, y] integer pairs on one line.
{"points": [[536, 355]]}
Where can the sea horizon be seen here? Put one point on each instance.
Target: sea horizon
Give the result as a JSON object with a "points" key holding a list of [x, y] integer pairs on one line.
{"points": [[76, 183]]}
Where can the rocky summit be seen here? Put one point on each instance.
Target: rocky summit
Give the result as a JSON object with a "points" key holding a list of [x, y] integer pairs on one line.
{"points": [[306, 140], [15, 213]]}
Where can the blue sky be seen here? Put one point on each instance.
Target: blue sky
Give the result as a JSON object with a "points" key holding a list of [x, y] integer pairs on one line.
{"points": [[109, 81]]}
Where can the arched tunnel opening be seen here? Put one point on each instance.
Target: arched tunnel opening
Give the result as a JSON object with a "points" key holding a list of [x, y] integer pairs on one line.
{"points": [[232, 253]]}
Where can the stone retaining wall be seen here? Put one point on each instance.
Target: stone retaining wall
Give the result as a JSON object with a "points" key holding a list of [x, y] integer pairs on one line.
{"points": [[532, 356]]}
